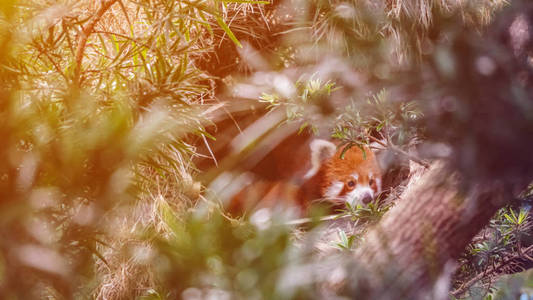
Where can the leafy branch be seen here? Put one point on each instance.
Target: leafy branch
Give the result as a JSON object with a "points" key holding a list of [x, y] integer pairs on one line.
{"points": [[86, 31]]}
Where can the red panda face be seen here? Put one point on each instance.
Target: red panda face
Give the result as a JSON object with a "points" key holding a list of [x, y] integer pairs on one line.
{"points": [[354, 178]]}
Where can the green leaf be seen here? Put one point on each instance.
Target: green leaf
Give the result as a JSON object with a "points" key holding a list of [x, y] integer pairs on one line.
{"points": [[509, 218], [115, 43], [344, 238], [228, 31], [151, 294], [168, 216], [302, 127], [522, 216], [346, 148]]}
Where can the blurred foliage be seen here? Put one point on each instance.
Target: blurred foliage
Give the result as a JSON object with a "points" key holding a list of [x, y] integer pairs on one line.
{"points": [[380, 123], [303, 101], [94, 113], [370, 213], [208, 255], [379, 36], [98, 103], [362, 217], [474, 79]]}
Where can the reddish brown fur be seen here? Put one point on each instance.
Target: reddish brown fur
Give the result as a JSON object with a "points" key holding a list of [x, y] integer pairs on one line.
{"points": [[355, 160], [263, 194], [287, 193]]}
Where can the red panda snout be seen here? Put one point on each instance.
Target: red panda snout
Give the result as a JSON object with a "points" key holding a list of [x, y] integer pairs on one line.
{"points": [[367, 198]]}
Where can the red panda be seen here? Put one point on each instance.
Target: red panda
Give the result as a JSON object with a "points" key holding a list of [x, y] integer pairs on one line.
{"points": [[335, 176], [341, 175]]}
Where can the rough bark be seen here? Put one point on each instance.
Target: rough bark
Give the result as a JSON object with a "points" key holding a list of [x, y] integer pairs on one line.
{"points": [[407, 253]]}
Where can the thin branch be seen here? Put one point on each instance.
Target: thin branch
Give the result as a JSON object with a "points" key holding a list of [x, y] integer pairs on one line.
{"points": [[56, 66], [491, 270], [399, 150], [87, 30]]}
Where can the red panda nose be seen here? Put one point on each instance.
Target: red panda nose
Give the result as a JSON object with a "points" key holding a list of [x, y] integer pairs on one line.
{"points": [[367, 198]]}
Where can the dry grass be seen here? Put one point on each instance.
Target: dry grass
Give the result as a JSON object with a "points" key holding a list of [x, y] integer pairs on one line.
{"points": [[126, 272]]}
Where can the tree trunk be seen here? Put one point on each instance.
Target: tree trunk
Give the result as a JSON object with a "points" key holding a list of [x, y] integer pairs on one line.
{"points": [[410, 254]]}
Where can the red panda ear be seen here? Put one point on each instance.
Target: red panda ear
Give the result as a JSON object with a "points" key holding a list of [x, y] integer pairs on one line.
{"points": [[321, 150]]}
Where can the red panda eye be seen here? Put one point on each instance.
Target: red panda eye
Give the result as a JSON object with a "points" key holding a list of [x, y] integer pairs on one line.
{"points": [[372, 181], [351, 184]]}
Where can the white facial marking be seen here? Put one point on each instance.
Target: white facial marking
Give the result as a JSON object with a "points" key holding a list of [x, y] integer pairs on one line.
{"points": [[334, 189], [356, 196]]}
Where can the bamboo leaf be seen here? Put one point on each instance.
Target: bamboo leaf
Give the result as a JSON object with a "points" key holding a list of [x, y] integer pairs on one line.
{"points": [[228, 31]]}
